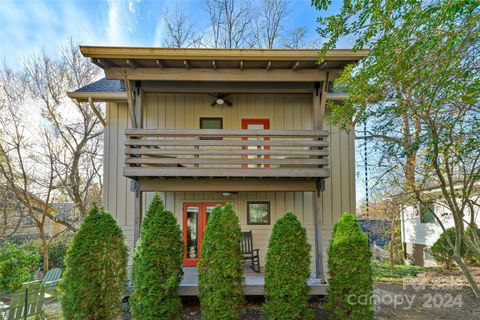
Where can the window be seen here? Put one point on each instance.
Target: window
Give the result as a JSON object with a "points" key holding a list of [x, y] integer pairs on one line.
{"points": [[258, 212], [28, 221], [211, 123], [427, 210]]}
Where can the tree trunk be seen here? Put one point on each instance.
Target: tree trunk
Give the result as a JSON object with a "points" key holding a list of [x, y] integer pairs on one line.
{"points": [[458, 260], [44, 249], [392, 246]]}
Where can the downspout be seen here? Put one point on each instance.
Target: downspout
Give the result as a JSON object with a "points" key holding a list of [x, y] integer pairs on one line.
{"points": [[319, 270]]}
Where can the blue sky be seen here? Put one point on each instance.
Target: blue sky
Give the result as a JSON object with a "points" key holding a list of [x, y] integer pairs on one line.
{"points": [[27, 26]]}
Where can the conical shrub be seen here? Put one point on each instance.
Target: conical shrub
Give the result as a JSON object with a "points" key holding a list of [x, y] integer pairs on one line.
{"points": [[95, 270], [157, 266], [287, 270], [220, 268], [350, 272]]}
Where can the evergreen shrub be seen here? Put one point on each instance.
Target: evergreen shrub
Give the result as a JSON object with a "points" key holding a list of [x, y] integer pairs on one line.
{"points": [[220, 270], [157, 266], [287, 271], [350, 272], [94, 280]]}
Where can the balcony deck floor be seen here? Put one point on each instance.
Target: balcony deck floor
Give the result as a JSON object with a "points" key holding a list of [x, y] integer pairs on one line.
{"points": [[254, 283]]}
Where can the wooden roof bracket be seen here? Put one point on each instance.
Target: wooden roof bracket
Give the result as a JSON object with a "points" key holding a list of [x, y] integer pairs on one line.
{"points": [[95, 110], [130, 101]]}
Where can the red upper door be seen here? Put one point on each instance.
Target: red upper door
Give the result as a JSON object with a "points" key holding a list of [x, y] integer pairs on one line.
{"points": [[256, 124]]}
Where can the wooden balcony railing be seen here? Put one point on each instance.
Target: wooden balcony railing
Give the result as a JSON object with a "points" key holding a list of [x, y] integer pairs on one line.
{"points": [[226, 153]]}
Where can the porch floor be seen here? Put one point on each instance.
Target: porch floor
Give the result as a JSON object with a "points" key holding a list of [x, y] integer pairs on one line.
{"points": [[254, 283]]}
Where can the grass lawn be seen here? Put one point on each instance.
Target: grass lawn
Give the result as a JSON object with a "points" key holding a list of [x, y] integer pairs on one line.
{"points": [[381, 271]]}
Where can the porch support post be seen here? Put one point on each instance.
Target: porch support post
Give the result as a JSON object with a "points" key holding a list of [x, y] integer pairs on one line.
{"points": [[135, 105], [137, 205], [319, 98]]}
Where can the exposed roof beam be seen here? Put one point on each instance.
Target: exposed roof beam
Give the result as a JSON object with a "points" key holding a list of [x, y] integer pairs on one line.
{"points": [[269, 65], [103, 63], [187, 64], [323, 65], [132, 63], [160, 63], [296, 65], [207, 74], [95, 110]]}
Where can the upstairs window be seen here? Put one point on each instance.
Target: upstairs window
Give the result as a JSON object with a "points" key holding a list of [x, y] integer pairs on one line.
{"points": [[211, 123], [427, 210]]}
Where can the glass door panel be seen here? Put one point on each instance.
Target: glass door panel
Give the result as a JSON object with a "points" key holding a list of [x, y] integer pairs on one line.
{"points": [[192, 232]]}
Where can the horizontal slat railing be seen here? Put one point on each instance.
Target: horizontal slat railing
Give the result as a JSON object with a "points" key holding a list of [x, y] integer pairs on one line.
{"points": [[226, 153]]}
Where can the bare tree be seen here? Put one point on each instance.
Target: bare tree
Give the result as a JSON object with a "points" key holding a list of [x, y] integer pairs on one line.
{"points": [[76, 142], [270, 23], [296, 38], [230, 22], [26, 164], [180, 30]]}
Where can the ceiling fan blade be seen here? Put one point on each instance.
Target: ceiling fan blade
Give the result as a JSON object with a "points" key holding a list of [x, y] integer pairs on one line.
{"points": [[214, 102], [228, 103]]}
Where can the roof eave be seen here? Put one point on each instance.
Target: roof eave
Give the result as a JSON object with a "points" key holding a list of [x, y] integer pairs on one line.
{"points": [[98, 96], [220, 54]]}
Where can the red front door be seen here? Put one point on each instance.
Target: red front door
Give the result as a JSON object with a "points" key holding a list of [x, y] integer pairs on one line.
{"points": [[256, 124], [195, 218]]}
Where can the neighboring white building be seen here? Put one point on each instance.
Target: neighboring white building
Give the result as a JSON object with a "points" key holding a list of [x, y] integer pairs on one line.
{"points": [[420, 230]]}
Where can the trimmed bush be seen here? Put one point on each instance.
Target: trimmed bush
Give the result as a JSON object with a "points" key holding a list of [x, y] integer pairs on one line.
{"points": [[94, 280], [17, 265], [157, 266], [350, 273], [442, 252], [287, 270], [220, 270]]}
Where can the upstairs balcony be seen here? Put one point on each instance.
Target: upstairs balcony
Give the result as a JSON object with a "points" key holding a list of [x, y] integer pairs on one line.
{"points": [[209, 153]]}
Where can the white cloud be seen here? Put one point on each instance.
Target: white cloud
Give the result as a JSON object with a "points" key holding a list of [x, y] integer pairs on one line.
{"points": [[131, 7]]}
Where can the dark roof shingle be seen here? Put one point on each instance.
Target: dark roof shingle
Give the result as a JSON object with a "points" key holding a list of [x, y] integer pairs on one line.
{"points": [[103, 85]]}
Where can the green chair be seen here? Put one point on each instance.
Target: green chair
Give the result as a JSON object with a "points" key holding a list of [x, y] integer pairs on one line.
{"points": [[50, 280], [27, 302]]}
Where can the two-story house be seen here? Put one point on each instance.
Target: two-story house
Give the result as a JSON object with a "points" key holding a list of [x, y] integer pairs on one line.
{"points": [[207, 126]]}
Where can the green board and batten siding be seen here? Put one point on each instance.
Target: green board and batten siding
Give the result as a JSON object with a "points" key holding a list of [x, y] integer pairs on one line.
{"points": [[285, 111]]}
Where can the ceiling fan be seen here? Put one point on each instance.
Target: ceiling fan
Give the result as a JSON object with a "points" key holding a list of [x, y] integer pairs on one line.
{"points": [[220, 99]]}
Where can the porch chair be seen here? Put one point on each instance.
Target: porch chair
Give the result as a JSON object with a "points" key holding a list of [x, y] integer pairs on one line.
{"points": [[51, 278], [250, 254], [27, 302]]}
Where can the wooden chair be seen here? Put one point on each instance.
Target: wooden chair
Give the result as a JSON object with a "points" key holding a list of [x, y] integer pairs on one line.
{"points": [[250, 254], [50, 280], [27, 302]]}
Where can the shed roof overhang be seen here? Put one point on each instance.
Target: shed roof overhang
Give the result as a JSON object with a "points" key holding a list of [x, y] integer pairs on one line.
{"points": [[174, 64], [201, 70]]}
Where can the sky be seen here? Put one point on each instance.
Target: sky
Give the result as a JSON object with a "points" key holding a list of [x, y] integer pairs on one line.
{"points": [[27, 26]]}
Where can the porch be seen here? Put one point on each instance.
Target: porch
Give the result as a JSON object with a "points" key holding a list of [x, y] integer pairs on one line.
{"points": [[220, 153], [254, 283]]}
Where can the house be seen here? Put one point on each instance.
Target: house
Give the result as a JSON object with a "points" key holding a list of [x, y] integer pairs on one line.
{"points": [[17, 224], [208, 126], [420, 230]]}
